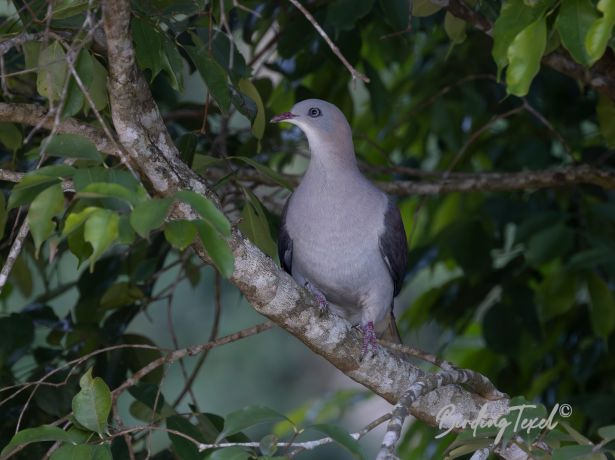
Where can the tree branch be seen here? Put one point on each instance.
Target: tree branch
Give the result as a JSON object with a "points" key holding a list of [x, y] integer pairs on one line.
{"points": [[471, 182], [270, 291], [354, 72], [35, 115]]}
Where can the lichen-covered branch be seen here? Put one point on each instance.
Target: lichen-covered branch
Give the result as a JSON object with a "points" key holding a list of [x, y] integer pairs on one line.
{"points": [[423, 386], [269, 290]]}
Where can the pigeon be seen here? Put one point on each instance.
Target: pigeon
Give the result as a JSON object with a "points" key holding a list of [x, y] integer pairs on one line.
{"points": [[341, 237]]}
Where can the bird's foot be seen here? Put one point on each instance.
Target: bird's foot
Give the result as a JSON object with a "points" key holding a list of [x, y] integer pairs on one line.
{"points": [[369, 339], [323, 305]]}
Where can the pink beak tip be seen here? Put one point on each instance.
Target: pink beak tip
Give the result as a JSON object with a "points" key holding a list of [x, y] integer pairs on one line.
{"points": [[282, 117]]}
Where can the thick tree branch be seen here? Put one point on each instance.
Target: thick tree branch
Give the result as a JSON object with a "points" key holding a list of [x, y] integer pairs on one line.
{"points": [[601, 76], [269, 290]]}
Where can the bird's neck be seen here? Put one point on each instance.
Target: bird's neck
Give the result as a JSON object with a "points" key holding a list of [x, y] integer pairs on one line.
{"points": [[332, 158]]}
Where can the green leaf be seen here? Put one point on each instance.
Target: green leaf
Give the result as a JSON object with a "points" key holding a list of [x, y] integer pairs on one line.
{"points": [[556, 294], [38, 434], [607, 433], [72, 146], [455, 28], [120, 294], [29, 188], [78, 246], [57, 171], [396, 13], [186, 144], [268, 445], [600, 31], [52, 71], [85, 176], [63, 9], [137, 358], [91, 406], [172, 64], [265, 171], [183, 448], [217, 247], [343, 14], [180, 233], [48, 204], [573, 22], [258, 125], [10, 136], [341, 437], [98, 88], [101, 230], [550, 243], [83, 452], [74, 220], [605, 110], [590, 259], [148, 46], [524, 55], [213, 75], [248, 416], [571, 452], [424, 8], [229, 453], [255, 226], [514, 17], [149, 215], [207, 210], [75, 99], [108, 190], [602, 306], [126, 234]]}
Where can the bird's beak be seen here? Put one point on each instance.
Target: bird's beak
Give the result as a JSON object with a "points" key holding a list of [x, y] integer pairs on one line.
{"points": [[283, 117]]}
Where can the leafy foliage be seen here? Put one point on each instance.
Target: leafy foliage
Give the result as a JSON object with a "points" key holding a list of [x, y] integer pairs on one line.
{"points": [[517, 285]]}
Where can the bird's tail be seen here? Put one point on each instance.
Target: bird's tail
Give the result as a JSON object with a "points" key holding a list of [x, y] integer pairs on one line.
{"points": [[391, 333]]}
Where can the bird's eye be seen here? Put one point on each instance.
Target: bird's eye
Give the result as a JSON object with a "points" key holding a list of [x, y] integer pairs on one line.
{"points": [[314, 112]]}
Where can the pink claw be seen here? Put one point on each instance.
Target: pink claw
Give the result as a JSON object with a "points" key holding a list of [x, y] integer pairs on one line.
{"points": [[369, 339]]}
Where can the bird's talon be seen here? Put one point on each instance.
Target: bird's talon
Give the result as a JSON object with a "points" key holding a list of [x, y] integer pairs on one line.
{"points": [[369, 340]]}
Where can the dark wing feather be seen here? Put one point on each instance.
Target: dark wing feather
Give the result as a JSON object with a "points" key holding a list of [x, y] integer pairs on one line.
{"points": [[393, 246], [285, 243]]}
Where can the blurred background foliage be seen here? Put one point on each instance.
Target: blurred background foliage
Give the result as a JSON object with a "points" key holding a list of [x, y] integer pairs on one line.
{"points": [[517, 285]]}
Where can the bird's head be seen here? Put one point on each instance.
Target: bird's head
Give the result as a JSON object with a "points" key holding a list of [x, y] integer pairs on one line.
{"points": [[322, 122]]}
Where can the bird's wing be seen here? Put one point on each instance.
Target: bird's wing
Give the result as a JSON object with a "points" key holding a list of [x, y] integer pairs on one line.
{"points": [[285, 243], [393, 246]]}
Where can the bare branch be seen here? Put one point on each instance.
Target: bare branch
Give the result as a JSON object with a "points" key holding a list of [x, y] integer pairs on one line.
{"points": [[354, 72], [426, 385], [498, 182], [32, 114], [470, 182], [13, 254], [189, 351]]}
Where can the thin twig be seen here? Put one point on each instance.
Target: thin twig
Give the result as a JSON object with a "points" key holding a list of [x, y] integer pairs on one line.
{"points": [[189, 351], [13, 254], [423, 386], [354, 72]]}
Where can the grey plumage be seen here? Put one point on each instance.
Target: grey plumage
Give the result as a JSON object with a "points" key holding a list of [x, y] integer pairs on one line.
{"points": [[340, 236]]}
